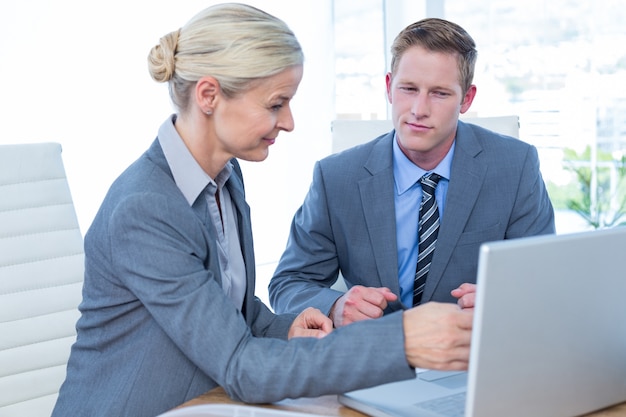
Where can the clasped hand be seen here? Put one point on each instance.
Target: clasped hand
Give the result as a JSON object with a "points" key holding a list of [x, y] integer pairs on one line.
{"points": [[360, 303]]}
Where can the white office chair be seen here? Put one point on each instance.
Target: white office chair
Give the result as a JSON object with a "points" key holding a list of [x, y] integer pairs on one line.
{"points": [[41, 274], [348, 133]]}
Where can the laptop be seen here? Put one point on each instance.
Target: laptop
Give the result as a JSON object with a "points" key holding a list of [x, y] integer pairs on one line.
{"points": [[549, 335]]}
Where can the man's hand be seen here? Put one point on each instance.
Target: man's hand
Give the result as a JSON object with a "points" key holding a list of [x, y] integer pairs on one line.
{"points": [[437, 336], [360, 303], [466, 295], [310, 323]]}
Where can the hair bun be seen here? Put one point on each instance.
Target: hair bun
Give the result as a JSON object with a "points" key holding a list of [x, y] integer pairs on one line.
{"points": [[161, 62]]}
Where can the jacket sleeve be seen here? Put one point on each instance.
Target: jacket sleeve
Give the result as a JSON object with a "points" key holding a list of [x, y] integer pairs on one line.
{"points": [[532, 212], [309, 265], [264, 323], [162, 258]]}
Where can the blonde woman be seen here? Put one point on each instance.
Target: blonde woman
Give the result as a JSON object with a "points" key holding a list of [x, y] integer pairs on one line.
{"points": [[168, 308]]}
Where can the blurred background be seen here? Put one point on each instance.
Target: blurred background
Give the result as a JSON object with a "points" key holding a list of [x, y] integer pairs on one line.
{"points": [[75, 72]]}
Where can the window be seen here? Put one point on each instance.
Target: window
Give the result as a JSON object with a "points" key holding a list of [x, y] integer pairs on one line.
{"points": [[559, 65], [75, 73]]}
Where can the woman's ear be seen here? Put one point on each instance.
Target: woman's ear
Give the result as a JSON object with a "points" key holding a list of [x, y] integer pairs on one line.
{"points": [[207, 89]]}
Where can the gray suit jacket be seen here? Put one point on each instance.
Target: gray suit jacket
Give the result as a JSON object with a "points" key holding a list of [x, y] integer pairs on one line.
{"points": [[156, 328], [347, 220]]}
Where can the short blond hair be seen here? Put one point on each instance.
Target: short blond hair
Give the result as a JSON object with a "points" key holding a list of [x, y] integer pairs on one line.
{"points": [[235, 43], [438, 35]]}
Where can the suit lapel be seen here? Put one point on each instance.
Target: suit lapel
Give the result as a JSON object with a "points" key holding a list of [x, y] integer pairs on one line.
{"points": [[236, 191], [466, 177], [377, 196]]}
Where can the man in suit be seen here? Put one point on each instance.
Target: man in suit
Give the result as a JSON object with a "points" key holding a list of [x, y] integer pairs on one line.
{"points": [[360, 216]]}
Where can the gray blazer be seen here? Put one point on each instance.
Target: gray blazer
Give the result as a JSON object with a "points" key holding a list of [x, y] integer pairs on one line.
{"points": [[347, 220], [156, 329]]}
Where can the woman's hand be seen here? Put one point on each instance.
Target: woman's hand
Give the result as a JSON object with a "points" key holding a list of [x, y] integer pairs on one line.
{"points": [[310, 323]]}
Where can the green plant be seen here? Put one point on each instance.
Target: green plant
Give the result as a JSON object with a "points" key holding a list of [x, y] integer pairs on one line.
{"points": [[601, 197]]}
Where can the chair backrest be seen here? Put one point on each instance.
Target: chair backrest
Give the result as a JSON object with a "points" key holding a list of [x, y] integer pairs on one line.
{"points": [[41, 274], [348, 133]]}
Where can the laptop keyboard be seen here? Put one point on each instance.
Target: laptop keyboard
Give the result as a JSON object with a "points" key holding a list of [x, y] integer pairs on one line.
{"points": [[450, 406]]}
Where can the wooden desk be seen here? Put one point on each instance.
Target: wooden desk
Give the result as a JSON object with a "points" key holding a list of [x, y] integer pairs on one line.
{"points": [[326, 405], [329, 406]]}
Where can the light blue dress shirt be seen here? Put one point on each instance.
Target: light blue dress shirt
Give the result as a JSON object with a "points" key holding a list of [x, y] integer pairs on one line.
{"points": [[195, 183], [408, 196]]}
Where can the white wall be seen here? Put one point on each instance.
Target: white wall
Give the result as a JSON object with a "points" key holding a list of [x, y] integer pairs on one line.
{"points": [[75, 72]]}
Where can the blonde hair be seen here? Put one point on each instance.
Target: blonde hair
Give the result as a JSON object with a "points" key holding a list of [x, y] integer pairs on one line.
{"points": [[438, 35], [235, 43]]}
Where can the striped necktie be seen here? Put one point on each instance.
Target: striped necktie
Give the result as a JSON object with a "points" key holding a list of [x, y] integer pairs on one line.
{"points": [[428, 228]]}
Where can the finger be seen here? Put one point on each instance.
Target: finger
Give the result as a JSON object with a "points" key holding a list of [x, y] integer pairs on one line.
{"points": [[310, 328], [454, 362], [315, 319], [364, 303], [452, 365], [324, 324], [371, 308], [359, 303], [302, 332], [466, 320], [451, 360], [387, 294], [457, 292], [316, 333], [461, 289], [465, 288], [467, 301], [378, 296], [362, 311]]}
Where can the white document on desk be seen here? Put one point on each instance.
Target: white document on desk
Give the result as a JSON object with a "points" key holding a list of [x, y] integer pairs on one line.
{"points": [[232, 410]]}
